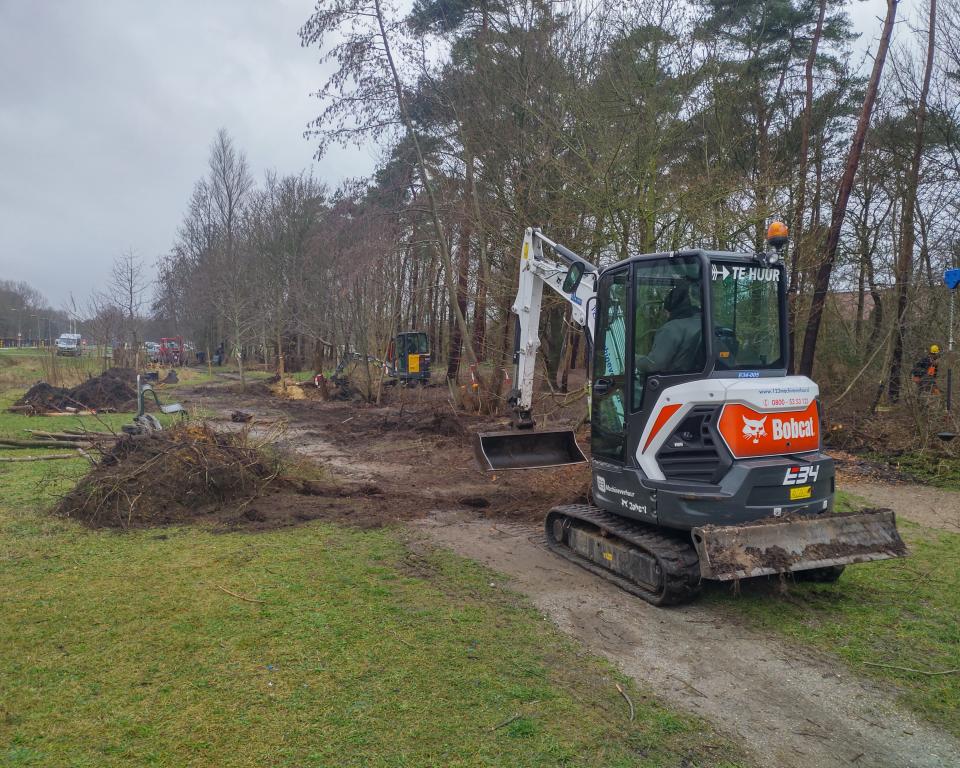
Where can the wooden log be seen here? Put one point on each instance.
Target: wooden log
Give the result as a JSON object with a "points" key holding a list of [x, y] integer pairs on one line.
{"points": [[50, 457], [78, 436], [11, 443]]}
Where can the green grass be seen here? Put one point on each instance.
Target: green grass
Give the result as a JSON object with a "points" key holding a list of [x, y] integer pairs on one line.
{"points": [[15, 425], [122, 649], [939, 471], [897, 612], [19, 368]]}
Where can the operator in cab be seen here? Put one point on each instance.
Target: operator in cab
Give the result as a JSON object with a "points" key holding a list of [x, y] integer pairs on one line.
{"points": [[678, 343]]}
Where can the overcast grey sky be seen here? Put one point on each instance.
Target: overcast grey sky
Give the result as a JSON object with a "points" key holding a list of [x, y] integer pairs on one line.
{"points": [[108, 107], [107, 110]]}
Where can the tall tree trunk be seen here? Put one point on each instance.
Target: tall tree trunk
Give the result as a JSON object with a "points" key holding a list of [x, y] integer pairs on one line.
{"points": [[822, 280], [904, 270], [480, 316], [877, 298], [484, 277], [238, 351], [431, 309], [801, 201], [861, 299], [467, 346], [463, 272], [281, 368]]}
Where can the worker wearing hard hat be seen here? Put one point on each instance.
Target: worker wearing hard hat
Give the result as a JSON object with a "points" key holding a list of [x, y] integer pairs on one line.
{"points": [[925, 371]]}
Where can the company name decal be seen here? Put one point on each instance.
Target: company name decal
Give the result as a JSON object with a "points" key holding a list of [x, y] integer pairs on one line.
{"points": [[786, 430], [604, 487], [750, 433], [722, 272]]}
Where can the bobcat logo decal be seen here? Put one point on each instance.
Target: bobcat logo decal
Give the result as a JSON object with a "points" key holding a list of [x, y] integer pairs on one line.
{"points": [[753, 429]]}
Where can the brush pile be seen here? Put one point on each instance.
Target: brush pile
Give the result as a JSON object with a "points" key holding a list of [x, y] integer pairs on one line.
{"points": [[172, 476], [114, 389]]}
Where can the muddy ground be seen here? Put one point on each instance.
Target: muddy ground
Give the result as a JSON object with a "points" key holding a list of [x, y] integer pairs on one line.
{"points": [[790, 707], [414, 453]]}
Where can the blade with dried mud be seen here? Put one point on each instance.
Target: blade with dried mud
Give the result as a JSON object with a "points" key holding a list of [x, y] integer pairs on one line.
{"points": [[799, 543]]}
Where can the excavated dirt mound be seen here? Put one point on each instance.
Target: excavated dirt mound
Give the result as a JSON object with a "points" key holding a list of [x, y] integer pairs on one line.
{"points": [[169, 476], [43, 397], [113, 389], [193, 473]]}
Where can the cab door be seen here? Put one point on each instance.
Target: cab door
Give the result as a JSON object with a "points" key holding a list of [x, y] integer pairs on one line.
{"points": [[401, 353], [608, 415]]}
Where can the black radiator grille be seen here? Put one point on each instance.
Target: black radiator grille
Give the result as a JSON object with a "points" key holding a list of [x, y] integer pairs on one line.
{"points": [[691, 454]]}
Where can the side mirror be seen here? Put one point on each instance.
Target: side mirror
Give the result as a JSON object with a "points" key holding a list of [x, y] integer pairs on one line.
{"points": [[573, 278]]}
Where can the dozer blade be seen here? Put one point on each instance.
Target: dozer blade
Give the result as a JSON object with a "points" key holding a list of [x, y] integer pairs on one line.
{"points": [[518, 449], [777, 545]]}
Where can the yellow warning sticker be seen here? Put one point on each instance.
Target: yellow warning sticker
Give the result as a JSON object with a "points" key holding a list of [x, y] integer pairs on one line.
{"points": [[801, 492], [526, 247], [608, 556]]}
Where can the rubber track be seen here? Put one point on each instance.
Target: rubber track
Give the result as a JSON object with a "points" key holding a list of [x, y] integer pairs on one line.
{"points": [[679, 565]]}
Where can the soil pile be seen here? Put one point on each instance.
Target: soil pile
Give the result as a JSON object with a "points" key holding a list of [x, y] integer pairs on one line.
{"points": [[43, 397], [114, 389], [444, 423], [195, 474], [287, 388], [170, 476]]}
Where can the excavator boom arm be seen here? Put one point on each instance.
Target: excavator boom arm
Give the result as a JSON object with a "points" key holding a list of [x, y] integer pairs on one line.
{"points": [[573, 278]]}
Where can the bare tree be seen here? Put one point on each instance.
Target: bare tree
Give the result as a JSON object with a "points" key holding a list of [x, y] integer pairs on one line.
{"points": [[105, 322], [365, 53], [904, 268], [230, 183], [822, 279], [126, 289]]}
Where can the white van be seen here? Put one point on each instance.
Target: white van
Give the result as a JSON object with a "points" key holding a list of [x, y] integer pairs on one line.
{"points": [[69, 344]]}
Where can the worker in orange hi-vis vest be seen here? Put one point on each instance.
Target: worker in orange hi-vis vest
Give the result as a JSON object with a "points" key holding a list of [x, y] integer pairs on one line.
{"points": [[925, 371]]}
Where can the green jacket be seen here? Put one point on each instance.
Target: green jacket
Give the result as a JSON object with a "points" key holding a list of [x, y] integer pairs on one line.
{"points": [[677, 347]]}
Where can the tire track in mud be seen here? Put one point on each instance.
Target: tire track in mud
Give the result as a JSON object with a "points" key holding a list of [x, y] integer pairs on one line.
{"points": [[790, 707]]}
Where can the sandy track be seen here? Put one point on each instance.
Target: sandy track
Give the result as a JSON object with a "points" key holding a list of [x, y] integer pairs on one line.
{"points": [[924, 504], [789, 707]]}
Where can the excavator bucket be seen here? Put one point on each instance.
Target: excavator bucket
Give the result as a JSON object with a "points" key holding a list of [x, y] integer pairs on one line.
{"points": [[518, 449], [778, 545]]}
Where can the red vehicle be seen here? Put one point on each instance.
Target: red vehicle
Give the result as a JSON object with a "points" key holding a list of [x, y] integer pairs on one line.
{"points": [[171, 351]]}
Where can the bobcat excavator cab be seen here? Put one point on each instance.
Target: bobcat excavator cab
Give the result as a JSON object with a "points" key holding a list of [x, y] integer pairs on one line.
{"points": [[706, 455]]}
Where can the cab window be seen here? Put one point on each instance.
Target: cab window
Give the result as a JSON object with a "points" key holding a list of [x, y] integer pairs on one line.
{"points": [[668, 321], [745, 303]]}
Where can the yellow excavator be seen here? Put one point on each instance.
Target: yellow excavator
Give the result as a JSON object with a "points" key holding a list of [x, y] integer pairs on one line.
{"points": [[706, 455]]}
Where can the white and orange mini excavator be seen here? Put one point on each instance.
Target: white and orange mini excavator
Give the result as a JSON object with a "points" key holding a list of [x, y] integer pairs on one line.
{"points": [[706, 455]]}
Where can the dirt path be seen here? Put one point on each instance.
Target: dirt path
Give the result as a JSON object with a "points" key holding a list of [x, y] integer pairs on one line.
{"points": [[790, 708], [924, 504]]}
